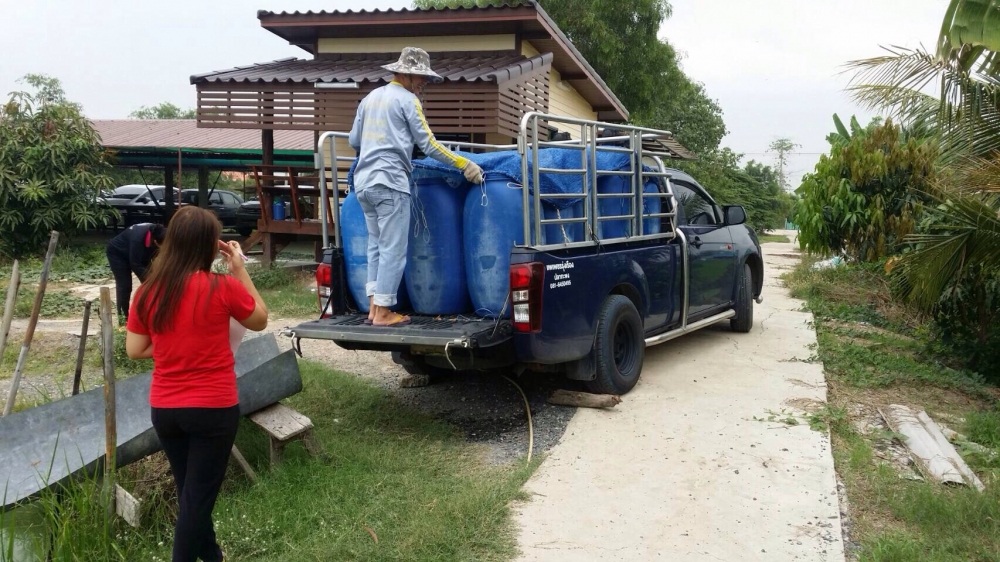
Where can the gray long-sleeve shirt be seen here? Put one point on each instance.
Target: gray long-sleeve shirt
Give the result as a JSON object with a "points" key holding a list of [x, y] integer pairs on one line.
{"points": [[389, 122]]}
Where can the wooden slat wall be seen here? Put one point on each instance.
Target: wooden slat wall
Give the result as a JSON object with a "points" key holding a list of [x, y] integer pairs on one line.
{"points": [[529, 93], [473, 107]]}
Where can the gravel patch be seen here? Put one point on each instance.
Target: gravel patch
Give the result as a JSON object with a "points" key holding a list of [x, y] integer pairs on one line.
{"points": [[486, 407]]}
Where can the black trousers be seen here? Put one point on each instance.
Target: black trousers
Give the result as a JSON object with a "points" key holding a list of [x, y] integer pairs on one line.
{"points": [[123, 282], [197, 442]]}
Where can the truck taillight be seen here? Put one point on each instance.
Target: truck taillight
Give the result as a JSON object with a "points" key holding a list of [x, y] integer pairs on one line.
{"points": [[526, 281], [324, 280]]}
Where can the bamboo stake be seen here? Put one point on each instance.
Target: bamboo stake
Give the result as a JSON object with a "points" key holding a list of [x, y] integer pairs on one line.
{"points": [[78, 373], [8, 309], [36, 309], [110, 425]]}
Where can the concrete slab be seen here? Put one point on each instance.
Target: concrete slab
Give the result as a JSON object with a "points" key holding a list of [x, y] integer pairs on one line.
{"points": [[688, 467]]}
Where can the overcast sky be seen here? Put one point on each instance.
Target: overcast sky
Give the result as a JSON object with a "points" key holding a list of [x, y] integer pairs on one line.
{"points": [[775, 66]]}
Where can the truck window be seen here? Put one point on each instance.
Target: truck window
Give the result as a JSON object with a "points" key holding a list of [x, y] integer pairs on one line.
{"points": [[696, 208]]}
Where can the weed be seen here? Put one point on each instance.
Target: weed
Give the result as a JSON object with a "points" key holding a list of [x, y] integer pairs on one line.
{"points": [[287, 293], [55, 303], [270, 277], [983, 427], [779, 417], [125, 366], [832, 417]]}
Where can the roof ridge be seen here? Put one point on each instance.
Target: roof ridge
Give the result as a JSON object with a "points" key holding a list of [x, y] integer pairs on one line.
{"points": [[506, 5], [365, 67]]}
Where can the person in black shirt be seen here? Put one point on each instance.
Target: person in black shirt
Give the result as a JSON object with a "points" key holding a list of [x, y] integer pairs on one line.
{"points": [[129, 252]]}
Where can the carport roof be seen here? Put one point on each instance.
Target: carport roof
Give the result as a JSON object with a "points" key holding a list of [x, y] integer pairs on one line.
{"points": [[184, 133], [159, 142]]}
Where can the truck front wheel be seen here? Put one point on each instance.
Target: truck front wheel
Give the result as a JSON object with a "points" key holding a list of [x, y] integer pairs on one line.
{"points": [[743, 321], [619, 347]]}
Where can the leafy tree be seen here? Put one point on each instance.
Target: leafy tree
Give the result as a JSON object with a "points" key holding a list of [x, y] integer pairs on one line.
{"points": [[960, 242], [52, 168], [619, 39], [867, 194], [782, 148], [165, 110]]}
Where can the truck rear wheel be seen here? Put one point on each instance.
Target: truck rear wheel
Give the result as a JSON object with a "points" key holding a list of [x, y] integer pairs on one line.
{"points": [[743, 321], [619, 347]]}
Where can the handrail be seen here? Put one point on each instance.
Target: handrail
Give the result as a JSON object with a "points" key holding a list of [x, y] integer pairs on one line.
{"points": [[631, 141], [323, 193]]}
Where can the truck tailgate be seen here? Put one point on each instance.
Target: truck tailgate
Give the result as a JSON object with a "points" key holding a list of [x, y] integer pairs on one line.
{"points": [[422, 330]]}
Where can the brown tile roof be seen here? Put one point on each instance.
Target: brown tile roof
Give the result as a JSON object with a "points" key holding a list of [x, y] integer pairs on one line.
{"points": [[528, 20], [184, 133], [489, 66]]}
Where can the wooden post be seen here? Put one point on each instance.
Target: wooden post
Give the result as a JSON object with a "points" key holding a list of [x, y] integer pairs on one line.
{"points": [[168, 194], [36, 309], [267, 160], [203, 187], [78, 373], [110, 424], [8, 309]]}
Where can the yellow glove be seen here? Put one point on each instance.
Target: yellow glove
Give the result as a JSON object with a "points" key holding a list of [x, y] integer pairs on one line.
{"points": [[473, 173]]}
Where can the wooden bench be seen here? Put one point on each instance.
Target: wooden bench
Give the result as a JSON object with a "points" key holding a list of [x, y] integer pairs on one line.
{"points": [[284, 425]]}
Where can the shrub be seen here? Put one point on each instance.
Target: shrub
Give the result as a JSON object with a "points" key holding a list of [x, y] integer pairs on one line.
{"points": [[52, 169]]}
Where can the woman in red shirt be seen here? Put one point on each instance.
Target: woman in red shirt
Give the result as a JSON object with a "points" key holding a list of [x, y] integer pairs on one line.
{"points": [[180, 318]]}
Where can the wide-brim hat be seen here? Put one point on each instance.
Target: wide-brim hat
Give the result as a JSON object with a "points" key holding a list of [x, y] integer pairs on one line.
{"points": [[414, 60]]}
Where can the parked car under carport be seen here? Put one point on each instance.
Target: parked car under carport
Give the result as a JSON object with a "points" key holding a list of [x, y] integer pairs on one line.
{"points": [[137, 203], [224, 204], [247, 216]]}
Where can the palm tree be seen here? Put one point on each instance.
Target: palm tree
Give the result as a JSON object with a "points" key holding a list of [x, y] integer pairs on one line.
{"points": [[960, 239]]}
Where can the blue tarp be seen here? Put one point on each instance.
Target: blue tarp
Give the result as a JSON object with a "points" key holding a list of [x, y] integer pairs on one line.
{"points": [[507, 165]]}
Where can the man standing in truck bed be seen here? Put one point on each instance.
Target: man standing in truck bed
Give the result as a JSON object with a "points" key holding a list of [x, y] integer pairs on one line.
{"points": [[389, 122]]}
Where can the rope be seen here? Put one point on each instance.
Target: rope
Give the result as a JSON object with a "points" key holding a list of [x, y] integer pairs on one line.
{"points": [[527, 410]]}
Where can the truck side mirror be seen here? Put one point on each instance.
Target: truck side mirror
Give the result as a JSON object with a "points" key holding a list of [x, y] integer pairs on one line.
{"points": [[735, 214]]}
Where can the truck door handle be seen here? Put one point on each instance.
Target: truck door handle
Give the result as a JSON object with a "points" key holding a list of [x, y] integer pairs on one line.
{"points": [[696, 242]]}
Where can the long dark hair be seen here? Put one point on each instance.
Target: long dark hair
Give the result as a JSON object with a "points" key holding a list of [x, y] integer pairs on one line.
{"points": [[190, 246]]}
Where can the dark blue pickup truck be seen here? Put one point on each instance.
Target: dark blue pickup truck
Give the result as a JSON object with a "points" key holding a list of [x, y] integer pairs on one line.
{"points": [[640, 254]]}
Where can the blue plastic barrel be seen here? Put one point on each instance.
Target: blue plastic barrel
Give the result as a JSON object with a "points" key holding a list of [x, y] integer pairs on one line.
{"points": [[435, 261], [354, 233], [493, 224], [563, 233], [616, 206], [278, 209]]}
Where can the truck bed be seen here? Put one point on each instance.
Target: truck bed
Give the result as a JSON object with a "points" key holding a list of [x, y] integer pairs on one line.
{"points": [[349, 330]]}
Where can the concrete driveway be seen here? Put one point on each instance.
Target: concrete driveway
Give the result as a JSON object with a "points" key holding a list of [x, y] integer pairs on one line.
{"points": [[696, 463]]}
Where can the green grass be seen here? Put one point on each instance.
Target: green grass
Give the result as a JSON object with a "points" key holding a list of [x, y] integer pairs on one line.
{"points": [[396, 485], [764, 238], [78, 262], [876, 352], [287, 293]]}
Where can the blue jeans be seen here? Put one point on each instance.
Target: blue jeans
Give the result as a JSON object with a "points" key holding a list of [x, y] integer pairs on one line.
{"points": [[387, 216]]}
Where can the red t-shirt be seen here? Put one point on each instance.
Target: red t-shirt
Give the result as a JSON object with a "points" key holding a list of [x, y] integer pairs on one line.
{"points": [[193, 365]]}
